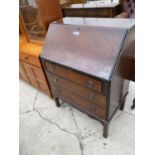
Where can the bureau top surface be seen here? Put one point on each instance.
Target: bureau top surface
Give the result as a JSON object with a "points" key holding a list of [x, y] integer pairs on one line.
{"points": [[88, 49]]}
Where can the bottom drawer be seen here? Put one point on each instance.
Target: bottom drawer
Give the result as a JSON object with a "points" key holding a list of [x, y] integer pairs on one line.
{"points": [[79, 101], [75, 99], [99, 111]]}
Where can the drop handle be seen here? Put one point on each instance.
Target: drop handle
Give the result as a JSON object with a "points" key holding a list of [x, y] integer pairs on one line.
{"points": [[90, 84]]}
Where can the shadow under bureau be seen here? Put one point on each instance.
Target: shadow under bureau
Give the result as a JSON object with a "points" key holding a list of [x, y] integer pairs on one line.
{"points": [[83, 67]]}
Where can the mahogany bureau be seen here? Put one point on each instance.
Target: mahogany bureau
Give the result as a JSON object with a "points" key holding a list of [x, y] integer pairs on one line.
{"points": [[83, 65]]}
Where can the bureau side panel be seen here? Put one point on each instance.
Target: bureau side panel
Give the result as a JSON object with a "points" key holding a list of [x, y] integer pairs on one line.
{"points": [[119, 85], [115, 95]]}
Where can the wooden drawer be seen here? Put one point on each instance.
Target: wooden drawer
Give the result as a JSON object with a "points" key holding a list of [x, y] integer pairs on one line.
{"points": [[75, 88], [102, 13], [89, 13], [72, 98], [74, 13], [99, 111], [79, 101], [30, 59], [76, 77]]}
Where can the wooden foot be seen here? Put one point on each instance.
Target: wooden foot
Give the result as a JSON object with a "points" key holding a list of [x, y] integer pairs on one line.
{"points": [[123, 101], [57, 102], [122, 106], [106, 130], [133, 105]]}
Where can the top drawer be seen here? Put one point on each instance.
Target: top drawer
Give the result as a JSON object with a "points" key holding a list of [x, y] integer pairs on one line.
{"points": [[30, 59], [79, 78]]}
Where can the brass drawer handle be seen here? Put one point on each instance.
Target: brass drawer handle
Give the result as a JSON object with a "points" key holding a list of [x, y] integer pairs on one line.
{"points": [[91, 96], [90, 84]]}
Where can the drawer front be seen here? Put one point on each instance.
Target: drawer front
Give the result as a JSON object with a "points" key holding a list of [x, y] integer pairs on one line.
{"points": [[80, 102], [99, 111], [82, 91], [72, 98], [89, 12], [102, 12], [78, 78], [30, 59], [74, 12]]}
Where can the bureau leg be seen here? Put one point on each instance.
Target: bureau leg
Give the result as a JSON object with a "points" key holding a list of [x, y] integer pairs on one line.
{"points": [[133, 105], [122, 106], [57, 101], [123, 101], [106, 130]]}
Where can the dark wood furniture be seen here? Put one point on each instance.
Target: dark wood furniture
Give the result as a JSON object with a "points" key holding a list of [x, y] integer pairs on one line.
{"points": [[87, 68], [127, 9], [94, 9], [129, 56]]}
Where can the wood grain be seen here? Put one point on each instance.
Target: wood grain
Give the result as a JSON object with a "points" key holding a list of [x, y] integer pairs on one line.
{"points": [[50, 10], [76, 77], [87, 93], [80, 50]]}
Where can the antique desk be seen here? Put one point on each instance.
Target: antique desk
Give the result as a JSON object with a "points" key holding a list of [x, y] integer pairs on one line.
{"points": [[85, 64], [92, 9]]}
